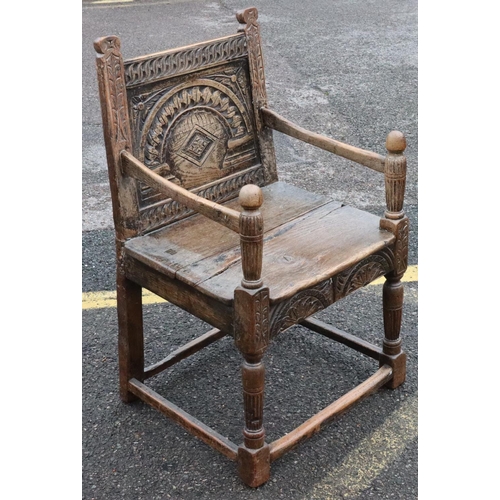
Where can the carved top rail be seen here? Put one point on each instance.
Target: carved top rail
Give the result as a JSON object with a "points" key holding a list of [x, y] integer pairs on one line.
{"points": [[176, 62]]}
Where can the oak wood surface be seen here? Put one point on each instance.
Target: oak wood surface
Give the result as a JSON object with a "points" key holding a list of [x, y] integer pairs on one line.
{"points": [[175, 251], [314, 424], [218, 213], [358, 155], [187, 131], [208, 309], [190, 423], [134, 65], [343, 236]]}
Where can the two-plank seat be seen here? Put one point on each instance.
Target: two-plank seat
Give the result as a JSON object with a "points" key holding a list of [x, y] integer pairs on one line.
{"points": [[202, 220]]}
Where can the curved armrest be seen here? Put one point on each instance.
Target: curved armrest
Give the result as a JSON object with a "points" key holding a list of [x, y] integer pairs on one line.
{"points": [[219, 213], [367, 158]]}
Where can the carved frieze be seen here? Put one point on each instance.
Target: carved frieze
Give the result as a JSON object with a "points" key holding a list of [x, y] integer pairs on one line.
{"points": [[300, 306], [363, 273], [179, 62], [312, 300]]}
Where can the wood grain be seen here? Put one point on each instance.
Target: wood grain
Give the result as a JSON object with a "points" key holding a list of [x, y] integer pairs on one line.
{"points": [[342, 236], [218, 213], [183, 352], [174, 251], [358, 155], [314, 424], [190, 423]]}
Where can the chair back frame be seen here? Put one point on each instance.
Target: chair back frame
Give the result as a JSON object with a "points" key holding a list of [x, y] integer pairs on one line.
{"points": [[192, 115]]}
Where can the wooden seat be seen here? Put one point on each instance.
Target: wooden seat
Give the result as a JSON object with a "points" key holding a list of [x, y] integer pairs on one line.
{"points": [[202, 220], [345, 236]]}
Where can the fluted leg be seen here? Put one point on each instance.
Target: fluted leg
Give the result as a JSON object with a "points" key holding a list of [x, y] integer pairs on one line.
{"points": [[393, 309], [253, 373], [251, 338], [253, 455]]}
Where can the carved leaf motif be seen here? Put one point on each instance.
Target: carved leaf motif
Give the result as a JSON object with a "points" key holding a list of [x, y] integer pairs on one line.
{"points": [[262, 318], [256, 65], [301, 306], [362, 273], [117, 98]]}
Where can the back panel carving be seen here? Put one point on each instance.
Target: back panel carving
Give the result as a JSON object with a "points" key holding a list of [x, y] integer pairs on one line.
{"points": [[192, 122]]}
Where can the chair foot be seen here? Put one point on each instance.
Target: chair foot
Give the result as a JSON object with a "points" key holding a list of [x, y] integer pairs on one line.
{"points": [[126, 396], [254, 466], [398, 364]]}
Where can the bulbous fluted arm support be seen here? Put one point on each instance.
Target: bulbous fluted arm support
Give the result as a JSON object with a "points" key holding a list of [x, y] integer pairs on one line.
{"points": [[251, 235], [395, 175]]}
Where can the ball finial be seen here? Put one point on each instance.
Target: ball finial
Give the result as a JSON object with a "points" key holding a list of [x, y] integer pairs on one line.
{"points": [[395, 142], [251, 197]]}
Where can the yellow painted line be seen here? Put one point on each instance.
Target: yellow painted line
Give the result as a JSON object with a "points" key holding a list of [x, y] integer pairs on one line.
{"points": [[410, 275], [99, 300], [372, 456]]}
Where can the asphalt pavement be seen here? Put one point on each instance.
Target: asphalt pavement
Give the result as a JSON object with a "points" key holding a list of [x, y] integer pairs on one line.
{"points": [[346, 69]]}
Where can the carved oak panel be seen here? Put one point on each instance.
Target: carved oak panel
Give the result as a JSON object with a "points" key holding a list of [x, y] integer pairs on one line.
{"points": [[193, 123], [194, 130]]}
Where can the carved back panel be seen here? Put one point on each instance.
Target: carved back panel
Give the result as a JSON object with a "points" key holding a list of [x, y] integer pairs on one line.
{"points": [[193, 119]]}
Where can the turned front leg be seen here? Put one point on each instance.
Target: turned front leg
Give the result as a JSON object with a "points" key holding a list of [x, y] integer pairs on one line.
{"points": [[396, 222], [392, 298], [252, 374], [251, 336]]}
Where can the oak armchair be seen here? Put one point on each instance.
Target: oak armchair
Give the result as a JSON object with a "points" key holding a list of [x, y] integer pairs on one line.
{"points": [[202, 220]]}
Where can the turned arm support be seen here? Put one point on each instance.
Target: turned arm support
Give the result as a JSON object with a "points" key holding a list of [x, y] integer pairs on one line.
{"points": [[251, 236], [367, 158], [219, 213], [395, 175]]}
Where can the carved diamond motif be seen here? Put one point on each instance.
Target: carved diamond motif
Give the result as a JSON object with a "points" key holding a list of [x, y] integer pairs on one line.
{"points": [[197, 146]]}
